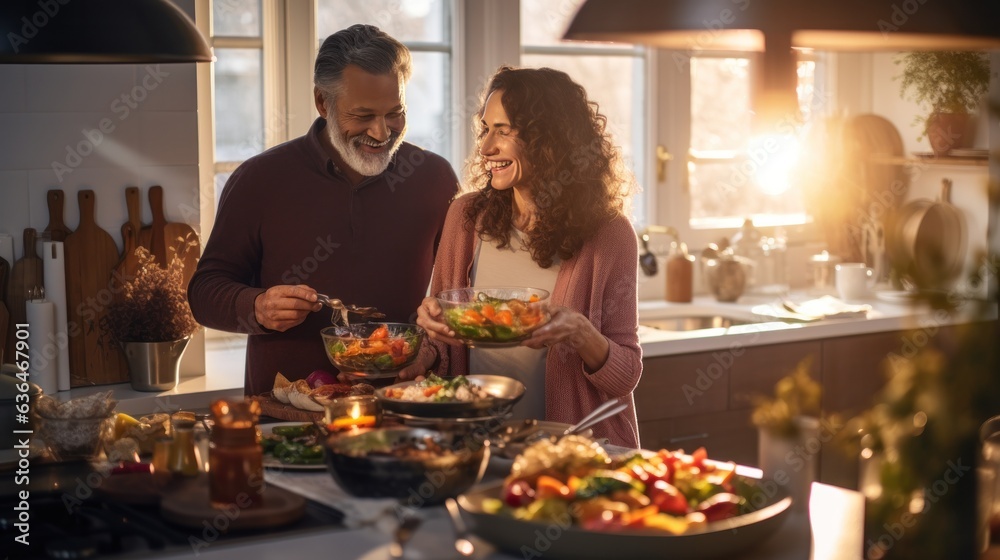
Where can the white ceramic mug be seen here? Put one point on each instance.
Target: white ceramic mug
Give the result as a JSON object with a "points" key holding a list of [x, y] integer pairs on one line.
{"points": [[854, 281]]}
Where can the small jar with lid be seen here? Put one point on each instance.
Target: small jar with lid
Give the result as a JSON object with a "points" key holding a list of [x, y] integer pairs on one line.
{"points": [[184, 459], [236, 471]]}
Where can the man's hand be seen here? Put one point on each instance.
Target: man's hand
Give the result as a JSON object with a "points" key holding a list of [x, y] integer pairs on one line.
{"points": [[283, 307]]}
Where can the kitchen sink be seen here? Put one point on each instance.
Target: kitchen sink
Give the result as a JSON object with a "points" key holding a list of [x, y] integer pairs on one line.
{"points": [[694, 322]]}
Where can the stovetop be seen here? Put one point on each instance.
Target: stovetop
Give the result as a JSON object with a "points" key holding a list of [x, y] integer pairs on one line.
{"points": [[62, 526]]}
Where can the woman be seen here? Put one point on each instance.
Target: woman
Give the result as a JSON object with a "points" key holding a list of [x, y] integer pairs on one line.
{"points": [[548, 213]]}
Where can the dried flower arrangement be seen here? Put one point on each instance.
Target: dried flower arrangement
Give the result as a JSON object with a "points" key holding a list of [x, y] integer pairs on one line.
{"points": [[795, 395], [153, 306]]}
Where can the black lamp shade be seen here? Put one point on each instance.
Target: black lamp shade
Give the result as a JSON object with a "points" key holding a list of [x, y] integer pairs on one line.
{"points": [[98, 32]]}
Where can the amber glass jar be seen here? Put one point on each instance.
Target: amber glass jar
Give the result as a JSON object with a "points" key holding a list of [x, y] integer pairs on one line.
{"points": [[236, 472]]}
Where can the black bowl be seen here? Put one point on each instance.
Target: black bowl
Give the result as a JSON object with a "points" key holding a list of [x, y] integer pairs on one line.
{"points": [[362, 465]]}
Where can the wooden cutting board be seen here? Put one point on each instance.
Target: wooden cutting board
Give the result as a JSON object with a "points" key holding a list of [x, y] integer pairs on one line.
{"points": [[153, 236], [25, 275], [178, 237], [91, 256], [187, 504], [128, 266], [56, 229], [4, 314]]}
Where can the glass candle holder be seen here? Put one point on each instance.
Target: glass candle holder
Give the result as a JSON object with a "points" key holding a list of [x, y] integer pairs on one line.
{"points": [[352, 414]]}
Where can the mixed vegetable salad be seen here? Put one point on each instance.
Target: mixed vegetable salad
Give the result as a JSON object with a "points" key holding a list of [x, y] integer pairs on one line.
{"points": [[439, 389], [294, 444], [490, 319], [574, 478], [378, 351]]}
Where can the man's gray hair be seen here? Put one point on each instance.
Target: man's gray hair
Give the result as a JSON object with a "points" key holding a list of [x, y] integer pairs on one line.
{"points": [[365, 46]]}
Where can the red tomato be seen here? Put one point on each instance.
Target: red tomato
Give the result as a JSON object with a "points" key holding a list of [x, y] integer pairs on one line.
{"points": [[381, 333], [518, 494], [667, 498]]}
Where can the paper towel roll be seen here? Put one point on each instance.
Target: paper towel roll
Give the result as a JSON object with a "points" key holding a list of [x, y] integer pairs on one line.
{"points": [[7, 248], [54, 274], [42, 352]]}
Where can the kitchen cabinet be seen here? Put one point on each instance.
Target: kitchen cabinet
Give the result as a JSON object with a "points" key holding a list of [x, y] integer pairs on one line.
{"points": [[706, 398]]}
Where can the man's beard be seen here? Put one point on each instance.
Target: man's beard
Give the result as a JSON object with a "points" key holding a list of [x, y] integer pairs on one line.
{"points": [[362, 162]]}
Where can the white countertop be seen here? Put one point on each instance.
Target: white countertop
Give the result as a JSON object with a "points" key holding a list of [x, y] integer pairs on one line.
{"points": [[225, 360], [884, 317]]}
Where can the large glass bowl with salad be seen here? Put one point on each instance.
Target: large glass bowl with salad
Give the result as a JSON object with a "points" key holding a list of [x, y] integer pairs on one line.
{"points": [[494, 317], [370, 352]]}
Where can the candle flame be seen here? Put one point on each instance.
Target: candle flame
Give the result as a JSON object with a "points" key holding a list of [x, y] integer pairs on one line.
{"points": [[356, 411]]}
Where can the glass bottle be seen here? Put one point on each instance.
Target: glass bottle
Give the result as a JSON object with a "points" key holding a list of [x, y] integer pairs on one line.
{"points": [[184, 459], [746, 243], [236, 471]]}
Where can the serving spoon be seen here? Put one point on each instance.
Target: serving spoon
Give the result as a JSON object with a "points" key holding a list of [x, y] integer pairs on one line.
{"points": [[340, 310]]}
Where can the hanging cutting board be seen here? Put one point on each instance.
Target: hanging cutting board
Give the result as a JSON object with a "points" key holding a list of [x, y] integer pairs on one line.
{"points": [[56, 229], [129, 263], [178, 238], [91, 256], [25, 275], [154, 235]]}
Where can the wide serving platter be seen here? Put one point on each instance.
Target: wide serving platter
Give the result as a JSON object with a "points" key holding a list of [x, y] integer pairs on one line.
{"points": [[503, 392], [771, 506]]}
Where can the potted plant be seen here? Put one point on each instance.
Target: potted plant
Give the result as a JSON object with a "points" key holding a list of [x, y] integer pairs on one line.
{"points": [[788, 426], [953, 84], [153, 322]]}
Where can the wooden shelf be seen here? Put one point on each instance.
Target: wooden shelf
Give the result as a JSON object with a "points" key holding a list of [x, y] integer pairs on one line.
{"points": [[918, 161]]}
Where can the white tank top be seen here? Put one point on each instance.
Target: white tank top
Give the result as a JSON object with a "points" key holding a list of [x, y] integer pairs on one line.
{"points": [[512, 266]]}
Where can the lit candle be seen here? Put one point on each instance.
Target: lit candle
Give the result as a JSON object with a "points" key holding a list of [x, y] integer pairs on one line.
{"points": [[363, 413]]}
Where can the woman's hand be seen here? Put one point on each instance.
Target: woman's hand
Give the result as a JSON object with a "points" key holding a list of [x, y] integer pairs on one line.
{"points": [[429, 317], [283, 307], [572, 328]]}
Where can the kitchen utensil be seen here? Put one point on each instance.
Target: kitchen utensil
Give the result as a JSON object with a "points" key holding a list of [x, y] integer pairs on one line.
{"points": [[928, 240], [462, 543], [603, 412], [340, 310], [463, 310], [56, 230], [154, 236], [403, 533], [25, 275], [128, 266], [167, 239], [724, 538], [504, 392], [422, 466], [647, 260], [359, 358], [91, 256]]}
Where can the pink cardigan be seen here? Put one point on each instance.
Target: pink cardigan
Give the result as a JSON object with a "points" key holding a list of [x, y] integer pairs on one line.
{"points": [[600, 283]]}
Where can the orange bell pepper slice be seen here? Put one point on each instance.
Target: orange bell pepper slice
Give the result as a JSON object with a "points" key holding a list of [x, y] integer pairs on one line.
{"points": [[432, 390], [505, 318], [381, 333], [550, 487]]}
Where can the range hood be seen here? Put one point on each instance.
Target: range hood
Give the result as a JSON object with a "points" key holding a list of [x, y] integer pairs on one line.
{"points": [[98, 32]]}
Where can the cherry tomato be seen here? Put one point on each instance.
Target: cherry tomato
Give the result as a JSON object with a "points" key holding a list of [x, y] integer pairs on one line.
{"points": [[518, 494]]}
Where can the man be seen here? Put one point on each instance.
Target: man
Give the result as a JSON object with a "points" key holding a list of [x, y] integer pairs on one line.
{"points": [[349, 210]]}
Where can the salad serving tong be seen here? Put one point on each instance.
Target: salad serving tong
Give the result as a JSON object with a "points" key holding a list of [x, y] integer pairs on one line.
{"points": [[340, 310]]}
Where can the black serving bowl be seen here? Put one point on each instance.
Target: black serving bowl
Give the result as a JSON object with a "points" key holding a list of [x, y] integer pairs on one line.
{"points": [[421, 466]]}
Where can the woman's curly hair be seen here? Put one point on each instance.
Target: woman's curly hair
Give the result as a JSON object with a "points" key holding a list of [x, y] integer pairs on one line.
{"points": [[577, 182]]}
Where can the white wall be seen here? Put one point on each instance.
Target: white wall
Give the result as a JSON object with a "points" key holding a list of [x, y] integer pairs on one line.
{"points": [[51, 137]]}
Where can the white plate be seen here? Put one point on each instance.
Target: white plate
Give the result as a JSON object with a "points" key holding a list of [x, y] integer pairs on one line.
{"points": [[901, 297], [270, 462]]}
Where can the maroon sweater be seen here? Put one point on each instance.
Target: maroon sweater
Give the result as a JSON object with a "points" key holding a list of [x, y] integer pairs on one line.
{"points": [[288, 216]]}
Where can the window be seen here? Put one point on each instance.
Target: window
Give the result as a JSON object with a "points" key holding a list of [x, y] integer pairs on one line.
{"points": [[239, 85], [622, 99], [424, 26], [730, 174]]}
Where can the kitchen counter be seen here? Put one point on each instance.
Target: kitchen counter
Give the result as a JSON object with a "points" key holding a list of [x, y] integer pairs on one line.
{"points": [[225, 361], [883, 317]]}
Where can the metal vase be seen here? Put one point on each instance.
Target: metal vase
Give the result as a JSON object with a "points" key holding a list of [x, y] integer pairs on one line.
{"points": [[155, 366]]}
